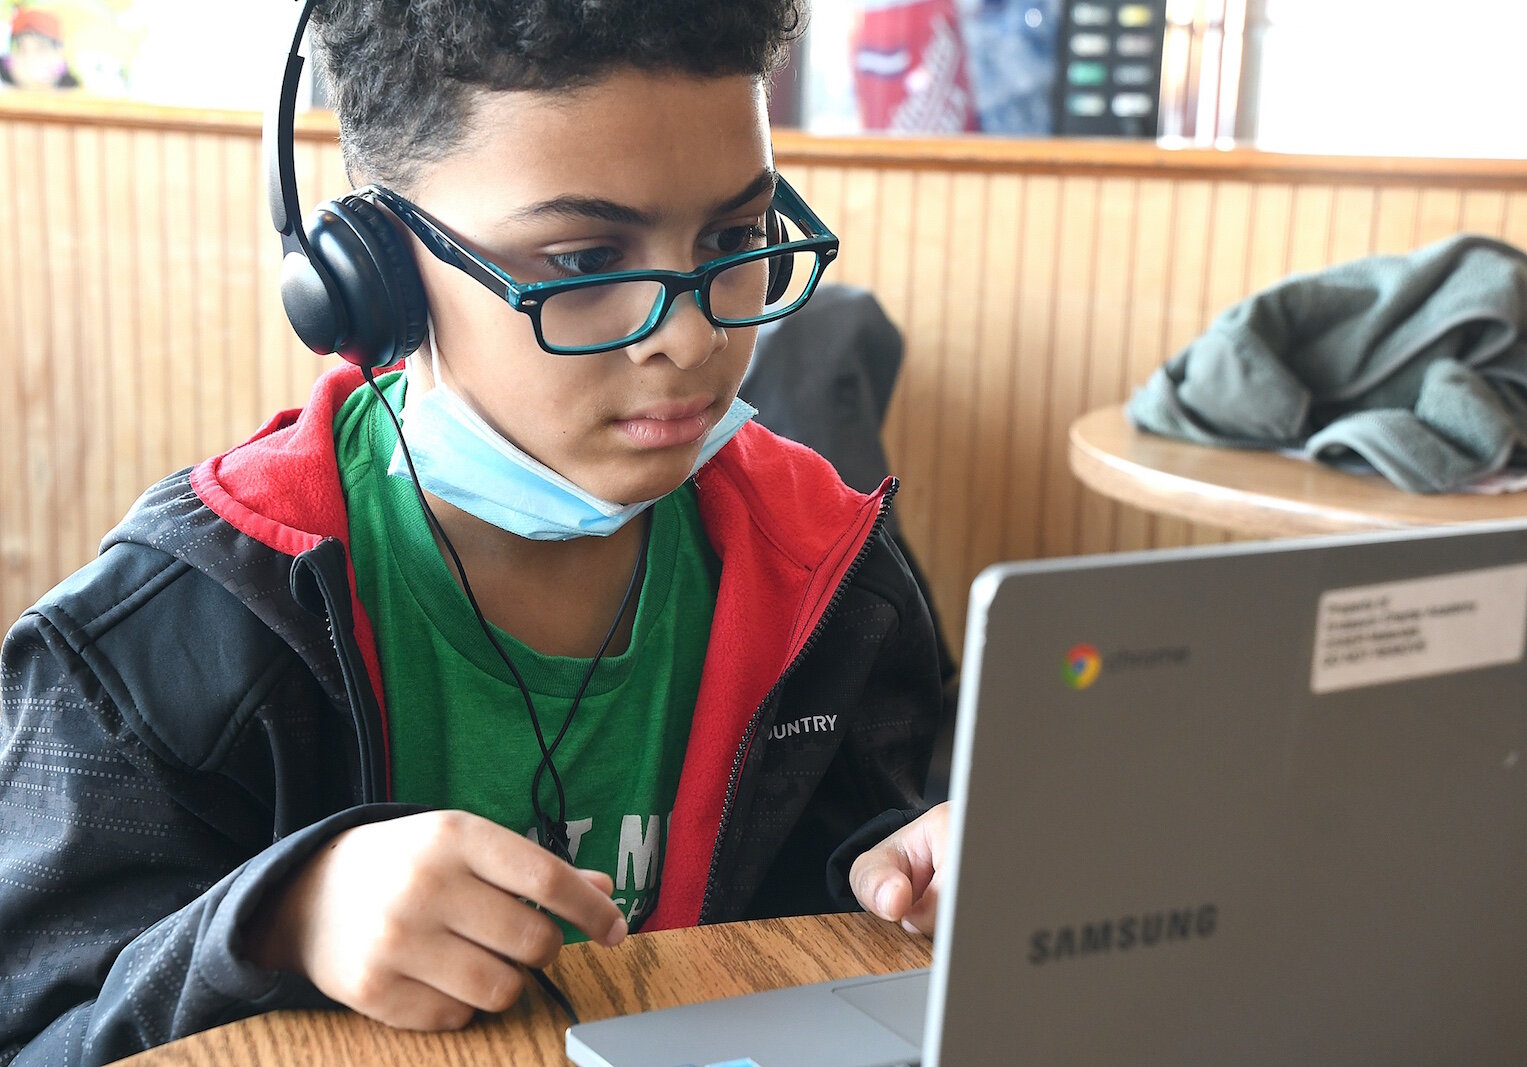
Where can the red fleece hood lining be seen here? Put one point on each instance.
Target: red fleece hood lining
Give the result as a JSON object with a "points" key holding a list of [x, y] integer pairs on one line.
{"points": [[270, 533]]}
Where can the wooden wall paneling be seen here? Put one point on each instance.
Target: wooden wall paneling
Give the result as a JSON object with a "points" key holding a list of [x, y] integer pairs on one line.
{"points": [[1106, 368], [1076, 274], [1352, 224], [1227, 272], [891, 283], [211, 255], [242, 289], [803, 177], [1272, 209], [122, 379], [1484, 212], [1441, 215], [182, 372], [153, 416], [90, 393], [923, 374], [70, 430], [35, 363], [1310, 233], [273, 335], [956, 449], [1514, 228], [1395, 231], [1145, 344], [1187, 315], [861, 225], [1227, 277], [1033, 356], [1029, 288], [989, 471], [14, 505], [826, 196]]}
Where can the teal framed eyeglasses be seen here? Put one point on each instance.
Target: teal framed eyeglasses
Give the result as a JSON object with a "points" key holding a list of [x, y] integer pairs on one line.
{"points": [[594, 313]]}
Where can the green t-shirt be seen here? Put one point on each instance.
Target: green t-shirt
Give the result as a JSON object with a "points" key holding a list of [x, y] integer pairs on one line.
{"points": [[460, 734]]}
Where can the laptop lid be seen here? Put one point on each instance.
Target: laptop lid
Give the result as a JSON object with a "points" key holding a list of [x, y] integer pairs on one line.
{"points": [[1260, 803]]}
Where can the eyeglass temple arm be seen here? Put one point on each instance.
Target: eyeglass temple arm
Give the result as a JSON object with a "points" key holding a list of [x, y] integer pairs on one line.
{"points": [[798, 211], [441, 244]]}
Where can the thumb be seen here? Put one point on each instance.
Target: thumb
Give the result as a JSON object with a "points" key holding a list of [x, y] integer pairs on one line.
{"points": [[882, 880]]}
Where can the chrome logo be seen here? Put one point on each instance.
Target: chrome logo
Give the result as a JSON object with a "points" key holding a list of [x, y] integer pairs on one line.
{"points": [[1083, 665]]}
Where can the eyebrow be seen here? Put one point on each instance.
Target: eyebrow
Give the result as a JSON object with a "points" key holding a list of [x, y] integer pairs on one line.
{"points": [[599, 209]]}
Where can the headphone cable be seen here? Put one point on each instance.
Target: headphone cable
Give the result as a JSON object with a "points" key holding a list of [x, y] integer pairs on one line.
{"points": [[553, 835]]}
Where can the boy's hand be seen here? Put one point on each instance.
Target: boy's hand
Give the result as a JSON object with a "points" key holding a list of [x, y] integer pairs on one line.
{"points": [[419, 922], [899, 878]]}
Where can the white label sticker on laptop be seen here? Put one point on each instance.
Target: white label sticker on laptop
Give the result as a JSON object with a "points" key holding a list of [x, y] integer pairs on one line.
{"points": [[1372, 634]]}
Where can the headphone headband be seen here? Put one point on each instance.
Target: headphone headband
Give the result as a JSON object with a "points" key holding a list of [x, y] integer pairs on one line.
{"points": [[279, 132], [348, 280]]}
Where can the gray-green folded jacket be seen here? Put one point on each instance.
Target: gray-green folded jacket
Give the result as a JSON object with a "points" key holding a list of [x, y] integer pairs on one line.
{"points": [[1417, 364]]}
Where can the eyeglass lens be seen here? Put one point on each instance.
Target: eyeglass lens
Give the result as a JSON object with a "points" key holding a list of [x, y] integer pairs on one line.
{"points": [[605, 314]]}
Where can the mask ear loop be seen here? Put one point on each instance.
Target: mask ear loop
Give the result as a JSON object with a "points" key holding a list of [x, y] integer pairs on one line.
{"points": [[553, 833]]}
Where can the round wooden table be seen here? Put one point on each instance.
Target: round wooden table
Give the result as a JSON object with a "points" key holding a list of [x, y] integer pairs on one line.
{"points": [[656, 970], [1263, 494]]}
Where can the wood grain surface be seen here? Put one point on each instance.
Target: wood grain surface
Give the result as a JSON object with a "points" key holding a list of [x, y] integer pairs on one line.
{"points": [[1261, 494], [656, 970]]}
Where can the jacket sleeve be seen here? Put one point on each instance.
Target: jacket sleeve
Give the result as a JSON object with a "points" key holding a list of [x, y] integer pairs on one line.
{"points": [[120, 900]]}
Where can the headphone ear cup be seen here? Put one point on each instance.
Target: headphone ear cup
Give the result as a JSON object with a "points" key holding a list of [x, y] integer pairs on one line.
{"points": [[780, 267], [382, 310], [312, 305]]}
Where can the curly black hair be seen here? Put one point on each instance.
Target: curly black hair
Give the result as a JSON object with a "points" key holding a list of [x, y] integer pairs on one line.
{"points": [[399, 72]]}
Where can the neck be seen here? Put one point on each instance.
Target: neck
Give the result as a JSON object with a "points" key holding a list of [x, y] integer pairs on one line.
{"points": [[558, 597]]}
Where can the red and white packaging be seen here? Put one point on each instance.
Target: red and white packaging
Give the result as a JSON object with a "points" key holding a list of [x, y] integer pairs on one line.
{"points": [[909, 68]]}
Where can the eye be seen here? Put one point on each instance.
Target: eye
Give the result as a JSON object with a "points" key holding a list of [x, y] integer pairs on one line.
{"points": [[736, 239], [584, 261]]}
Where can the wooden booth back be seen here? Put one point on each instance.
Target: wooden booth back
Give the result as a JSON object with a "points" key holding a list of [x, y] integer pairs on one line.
{"points": [[1033, 281]]}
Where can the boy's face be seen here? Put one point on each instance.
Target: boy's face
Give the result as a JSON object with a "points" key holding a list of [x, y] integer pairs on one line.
{"points": [[639, 170]]}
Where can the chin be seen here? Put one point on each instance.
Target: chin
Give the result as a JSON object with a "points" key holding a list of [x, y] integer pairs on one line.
{"points": [[649, 484]]}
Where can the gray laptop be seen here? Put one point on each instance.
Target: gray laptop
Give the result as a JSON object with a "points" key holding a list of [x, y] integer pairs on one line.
{"points": [[1252, 804]]}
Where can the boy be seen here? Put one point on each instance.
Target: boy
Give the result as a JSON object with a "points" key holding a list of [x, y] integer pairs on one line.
{"points": [[530, 669]]}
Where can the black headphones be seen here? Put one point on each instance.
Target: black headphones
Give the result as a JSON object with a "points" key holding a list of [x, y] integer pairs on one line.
{"points": [[349, 282]]}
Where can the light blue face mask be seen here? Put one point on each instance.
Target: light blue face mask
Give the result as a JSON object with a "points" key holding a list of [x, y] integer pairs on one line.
{"points": [[464, 461]]}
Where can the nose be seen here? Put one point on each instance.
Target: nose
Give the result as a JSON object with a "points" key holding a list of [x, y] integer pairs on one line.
{"points": [[685, 337]]}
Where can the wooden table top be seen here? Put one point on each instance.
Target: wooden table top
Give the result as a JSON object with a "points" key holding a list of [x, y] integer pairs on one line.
{"points": [[1259, 493], [656, 970]]}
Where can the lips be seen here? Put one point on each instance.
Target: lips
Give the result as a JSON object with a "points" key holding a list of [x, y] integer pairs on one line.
{"points": [[667, 424]]}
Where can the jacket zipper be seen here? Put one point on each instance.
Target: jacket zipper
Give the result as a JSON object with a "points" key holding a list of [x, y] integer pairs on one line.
{"points": [[752, 729], [352, 669]]}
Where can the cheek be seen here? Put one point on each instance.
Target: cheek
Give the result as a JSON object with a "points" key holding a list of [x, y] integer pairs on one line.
{"points": [[480, 338]]}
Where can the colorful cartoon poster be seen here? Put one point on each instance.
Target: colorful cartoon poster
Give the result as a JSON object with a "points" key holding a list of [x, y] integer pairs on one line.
{"points": [[190, 53], [67, 44]]}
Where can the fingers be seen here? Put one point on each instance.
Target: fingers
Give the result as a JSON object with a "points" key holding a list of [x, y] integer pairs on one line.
{"points": [[882, 880], [507, 927], [465, 972], [599, 880], [422, 921], [898, 878], [920, 917], [519, 867], [411, 1005]]}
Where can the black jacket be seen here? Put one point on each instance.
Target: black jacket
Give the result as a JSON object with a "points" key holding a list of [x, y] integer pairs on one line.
{"points": [[193, 714]]}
